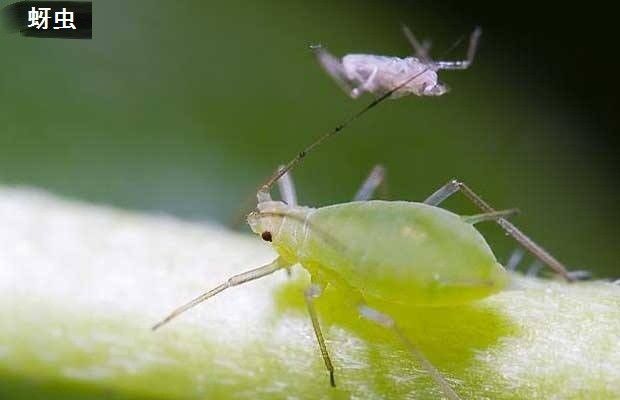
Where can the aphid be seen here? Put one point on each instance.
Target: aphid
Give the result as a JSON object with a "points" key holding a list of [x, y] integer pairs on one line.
{"points": [[359, 73], [386, 77], [389, 251], [398, 251]]}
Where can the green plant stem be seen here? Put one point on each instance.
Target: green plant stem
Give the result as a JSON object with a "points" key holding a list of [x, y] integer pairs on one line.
{"points": [[81, 285]]}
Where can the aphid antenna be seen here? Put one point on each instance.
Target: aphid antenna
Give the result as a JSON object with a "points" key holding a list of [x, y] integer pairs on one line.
{"points": [[235, 280], [252, 274], [263, 191]]}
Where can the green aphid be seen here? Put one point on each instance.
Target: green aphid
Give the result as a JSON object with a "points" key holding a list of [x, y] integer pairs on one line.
{"points": [[400, 252], [393, 251]]}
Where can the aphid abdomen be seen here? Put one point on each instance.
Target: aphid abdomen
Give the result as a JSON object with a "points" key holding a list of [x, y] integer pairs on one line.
{"points": [[364, 71], [358, 67], [380, 74], [403, 252]]}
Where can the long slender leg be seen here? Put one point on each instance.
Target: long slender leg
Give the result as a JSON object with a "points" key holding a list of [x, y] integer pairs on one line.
{"points": [[456, 186], [580, 274], [471, 53], [365, 86], [287, 188], [235, 280], [420, 49], [534, 268], [333, 67], [427, 44], [490, 216], [577, 275], [514, 259], [387, 322], [311, 293], [517, 255], [375, 179]]}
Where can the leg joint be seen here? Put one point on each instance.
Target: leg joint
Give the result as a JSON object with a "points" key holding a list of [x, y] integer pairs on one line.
{"points": [[376, 316], [456, 183]]}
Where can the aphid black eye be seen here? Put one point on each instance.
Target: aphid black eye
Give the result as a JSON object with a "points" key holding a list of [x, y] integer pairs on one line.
{"points": [[266, 236]]}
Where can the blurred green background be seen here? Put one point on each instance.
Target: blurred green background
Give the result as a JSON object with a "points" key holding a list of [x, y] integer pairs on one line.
{"points": [[185, 107]]}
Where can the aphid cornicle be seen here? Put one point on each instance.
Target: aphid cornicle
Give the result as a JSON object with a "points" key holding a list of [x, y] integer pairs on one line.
{"points": [[359, 73], [393, 251]]}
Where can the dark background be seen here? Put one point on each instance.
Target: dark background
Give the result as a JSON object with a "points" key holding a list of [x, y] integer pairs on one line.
{"points": [[185, 107]]}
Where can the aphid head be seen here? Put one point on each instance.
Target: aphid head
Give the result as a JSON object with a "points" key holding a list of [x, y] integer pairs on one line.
{"points": [[436, 90], [267, 219]]}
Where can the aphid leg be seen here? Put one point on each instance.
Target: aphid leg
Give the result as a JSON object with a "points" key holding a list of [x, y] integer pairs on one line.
{"points": [[514, 259], [534, 269], [287, 188], [581, 274], [375, 179], [311, 293], [455, 186], [420, 49], [471, 53], [235, 280], [427, 44], [490, 216], [387, 322], [333, 66], [366, 86]]}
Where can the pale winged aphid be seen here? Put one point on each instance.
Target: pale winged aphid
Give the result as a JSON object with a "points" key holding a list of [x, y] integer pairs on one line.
{"points": [[388, 77], [427, 255], [359, 73]]}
